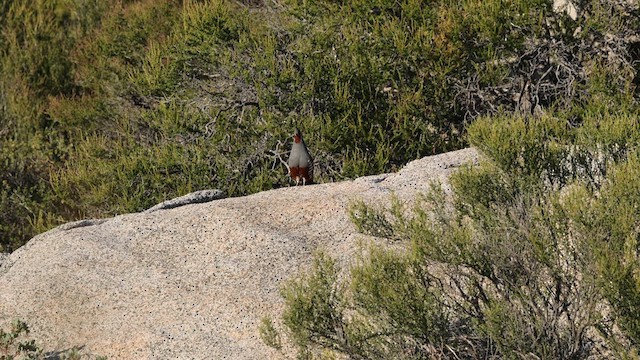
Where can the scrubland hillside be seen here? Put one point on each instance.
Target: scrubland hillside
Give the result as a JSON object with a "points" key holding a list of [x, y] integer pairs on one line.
{"points": [[109, 108]]}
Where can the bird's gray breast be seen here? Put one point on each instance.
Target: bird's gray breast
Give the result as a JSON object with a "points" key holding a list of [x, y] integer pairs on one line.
{"points": [[299, 156], [305, 158]]}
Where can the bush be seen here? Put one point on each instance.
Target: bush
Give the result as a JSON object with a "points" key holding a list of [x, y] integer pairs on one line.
{"points": [[268, 333], [13, 344], [222, 84], [611, 226], [314, 306], [527, 263]]}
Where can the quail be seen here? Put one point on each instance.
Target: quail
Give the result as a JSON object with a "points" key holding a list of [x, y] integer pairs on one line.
{"points": [[300, 161]]}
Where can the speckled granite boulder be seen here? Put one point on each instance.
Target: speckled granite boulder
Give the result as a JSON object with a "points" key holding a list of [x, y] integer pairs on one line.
{"points": [[191, 281]]}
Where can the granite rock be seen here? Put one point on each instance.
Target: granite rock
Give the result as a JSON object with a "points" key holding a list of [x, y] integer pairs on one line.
{"points": [[191, 281]]}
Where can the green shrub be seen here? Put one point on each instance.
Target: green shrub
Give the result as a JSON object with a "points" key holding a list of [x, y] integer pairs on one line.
{"points": [[268, 333], [372, 85], [13, 345], [23, 195], [370, 221], [315, 308], [611, 223], [527, 262], [383, 286]]}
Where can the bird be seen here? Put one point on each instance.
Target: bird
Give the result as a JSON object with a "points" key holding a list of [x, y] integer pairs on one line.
{"points": [[300, 161]]}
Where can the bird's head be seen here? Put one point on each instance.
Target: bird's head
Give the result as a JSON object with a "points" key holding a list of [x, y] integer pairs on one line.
{"points": [[297, 136]]}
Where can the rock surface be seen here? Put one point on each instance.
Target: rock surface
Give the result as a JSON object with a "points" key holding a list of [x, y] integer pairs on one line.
{"points": [[197, 197], [192, 281]]}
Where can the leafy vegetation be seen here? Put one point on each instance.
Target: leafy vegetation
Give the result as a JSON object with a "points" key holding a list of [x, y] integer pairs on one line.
{"points": [[15, 344], [269, 334], [111, 108], [538, 257]]}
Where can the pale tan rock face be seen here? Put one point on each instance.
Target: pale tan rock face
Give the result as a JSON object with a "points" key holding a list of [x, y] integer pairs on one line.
{"points": [[195, 280]]}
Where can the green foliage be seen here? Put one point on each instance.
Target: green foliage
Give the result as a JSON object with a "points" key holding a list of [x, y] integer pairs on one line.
{"points": [[174, 96], [382, 286], [513, 142], [600, 158], [370, 321], [527, 261], [22, 195], [13, 345], [550, 150], [314, 307], [369, 221], [480, 187], [612, 224], [269, 334]]}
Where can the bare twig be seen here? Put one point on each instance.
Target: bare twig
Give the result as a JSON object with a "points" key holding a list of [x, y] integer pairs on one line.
{"points": [[277, 156]]}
